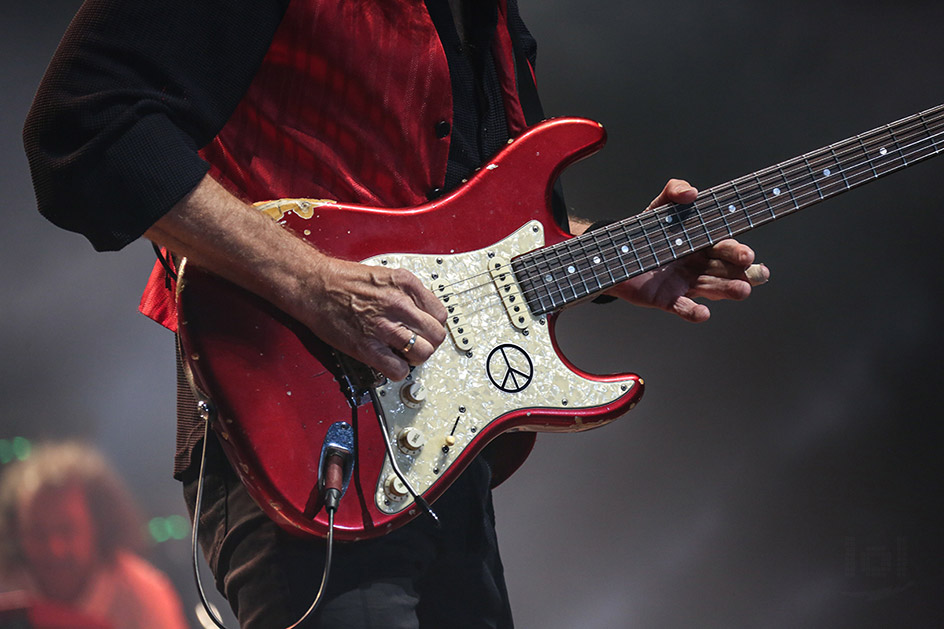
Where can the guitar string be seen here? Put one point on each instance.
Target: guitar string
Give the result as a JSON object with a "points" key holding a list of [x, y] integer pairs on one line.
{"points": [[819, 153], [876, 139], [878, 136], [912, 128], [760, 205], [803, 168], [602, 250], [755, 191], [749, 210]]}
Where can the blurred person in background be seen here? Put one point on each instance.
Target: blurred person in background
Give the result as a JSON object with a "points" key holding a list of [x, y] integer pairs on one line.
{"points": [[70, 534]]}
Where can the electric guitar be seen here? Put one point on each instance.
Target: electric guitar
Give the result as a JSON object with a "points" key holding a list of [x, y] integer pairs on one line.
{"points": [[281, 400]]}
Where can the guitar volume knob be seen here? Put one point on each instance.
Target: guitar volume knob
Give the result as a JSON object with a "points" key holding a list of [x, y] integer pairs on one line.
{"points": [[394, 488], [410, 440], [413, 394]]}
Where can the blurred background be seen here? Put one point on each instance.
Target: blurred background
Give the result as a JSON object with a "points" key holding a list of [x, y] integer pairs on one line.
{"points": [[784, 468]]}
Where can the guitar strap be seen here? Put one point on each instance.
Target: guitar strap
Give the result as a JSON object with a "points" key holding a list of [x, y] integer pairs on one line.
{"points": [[533, 114]]}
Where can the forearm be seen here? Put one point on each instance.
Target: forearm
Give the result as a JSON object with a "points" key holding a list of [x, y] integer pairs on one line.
{"points": [[365, 311], [216, 231]]}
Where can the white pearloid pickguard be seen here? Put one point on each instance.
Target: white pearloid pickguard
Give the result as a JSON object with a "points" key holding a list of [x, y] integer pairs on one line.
{"points": [[467, 389]]}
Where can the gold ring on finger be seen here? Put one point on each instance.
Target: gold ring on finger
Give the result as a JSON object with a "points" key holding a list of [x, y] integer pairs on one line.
{"points": [[409, 344]]}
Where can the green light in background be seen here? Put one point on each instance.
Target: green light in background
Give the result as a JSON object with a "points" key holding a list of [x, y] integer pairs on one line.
{"points": [[18, 448], [179, 527], [166, 529], [159, 530], [22, 448]]}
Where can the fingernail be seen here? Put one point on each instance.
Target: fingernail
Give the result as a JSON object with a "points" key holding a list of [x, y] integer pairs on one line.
{"points": [[755, 274]]}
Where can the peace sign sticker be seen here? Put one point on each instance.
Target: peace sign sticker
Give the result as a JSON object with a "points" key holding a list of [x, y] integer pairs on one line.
{"points": [[509, 368]]}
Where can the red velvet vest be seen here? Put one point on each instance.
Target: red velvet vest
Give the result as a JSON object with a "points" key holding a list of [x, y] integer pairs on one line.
{"points": [[348, 104]]}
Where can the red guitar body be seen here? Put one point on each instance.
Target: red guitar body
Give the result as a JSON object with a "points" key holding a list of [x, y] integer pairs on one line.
{"points": [[274, 386]]}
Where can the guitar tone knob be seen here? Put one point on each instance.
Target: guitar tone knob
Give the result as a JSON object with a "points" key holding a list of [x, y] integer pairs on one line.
{"points": [[413, 394], [394, 488], [410, 440]]}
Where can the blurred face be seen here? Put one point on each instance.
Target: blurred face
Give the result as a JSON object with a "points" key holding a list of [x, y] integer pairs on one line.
{"points": [[58, 539]]}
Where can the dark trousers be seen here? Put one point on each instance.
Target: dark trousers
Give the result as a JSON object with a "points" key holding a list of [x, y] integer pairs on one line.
{"points": [[416, 576]]}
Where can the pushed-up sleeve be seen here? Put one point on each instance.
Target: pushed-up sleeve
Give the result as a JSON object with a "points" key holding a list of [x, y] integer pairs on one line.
{"points": [[134, 89]]}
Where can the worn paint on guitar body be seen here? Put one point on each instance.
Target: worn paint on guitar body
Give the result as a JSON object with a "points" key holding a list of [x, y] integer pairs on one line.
{"points": [[274, 384]]}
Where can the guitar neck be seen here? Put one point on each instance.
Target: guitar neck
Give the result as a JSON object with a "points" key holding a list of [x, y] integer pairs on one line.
{"points": [[555, 276]]}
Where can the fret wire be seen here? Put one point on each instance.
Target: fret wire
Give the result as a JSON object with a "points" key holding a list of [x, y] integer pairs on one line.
{"points": [[720, 207], [859, 166], [839, 167], [895, 142], [866, 153], [553, 282], [704, 225], [731, 206], [891, 146], [926, 129], [679, 222], [620, 257], [642, 230], [636, 256], [743, 206], [594, 265], [891, 131], [602, 264], [788, 188], [542, 269], [631, 246], [665, 234], [580, 269], [565, 275], [765, 195], [928, 132]]}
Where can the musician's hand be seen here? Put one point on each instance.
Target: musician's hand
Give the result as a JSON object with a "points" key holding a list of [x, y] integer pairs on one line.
{"points": [[718, 272], [371, 313], [367, 312]]}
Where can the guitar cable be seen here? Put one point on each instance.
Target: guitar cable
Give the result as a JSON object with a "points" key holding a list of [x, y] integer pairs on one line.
{"points": [[333, 475], [332, 496]]}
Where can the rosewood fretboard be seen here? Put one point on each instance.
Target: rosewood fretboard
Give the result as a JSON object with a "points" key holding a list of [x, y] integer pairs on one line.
{"points": [[555, 276]]}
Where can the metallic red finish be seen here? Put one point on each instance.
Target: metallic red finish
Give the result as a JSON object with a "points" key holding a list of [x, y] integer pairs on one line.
{"points": [[267, 375]]}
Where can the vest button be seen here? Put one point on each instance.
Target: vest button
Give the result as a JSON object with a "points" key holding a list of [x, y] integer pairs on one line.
{"points": [[442, 129]]}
